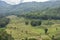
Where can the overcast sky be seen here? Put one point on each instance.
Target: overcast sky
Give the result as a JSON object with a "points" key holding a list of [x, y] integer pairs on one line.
{"points": [[18, 1]]}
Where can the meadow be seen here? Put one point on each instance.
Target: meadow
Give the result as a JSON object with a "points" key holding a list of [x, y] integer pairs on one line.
{"points": [[20, 31]]}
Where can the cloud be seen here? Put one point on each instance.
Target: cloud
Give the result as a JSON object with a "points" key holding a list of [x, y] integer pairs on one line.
{"points": [[35, 0], [54, 0], [20, 1], [12, 1]]}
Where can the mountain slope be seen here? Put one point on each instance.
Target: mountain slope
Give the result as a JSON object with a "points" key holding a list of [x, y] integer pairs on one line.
{"points": [[27, 7], [4, 7], [2, 3], [49, 13], [34, 6]]}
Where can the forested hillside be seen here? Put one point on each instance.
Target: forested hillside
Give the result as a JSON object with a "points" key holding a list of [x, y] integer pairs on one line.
{"points": [[24, 8], [48, 13]]}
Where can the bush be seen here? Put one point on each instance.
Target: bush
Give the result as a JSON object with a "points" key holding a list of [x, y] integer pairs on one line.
{"points": [[26, 38], [57, 38], [35, 23], [48, 23], [5, 36], [26, 22], [46, 30], [32, 39]]}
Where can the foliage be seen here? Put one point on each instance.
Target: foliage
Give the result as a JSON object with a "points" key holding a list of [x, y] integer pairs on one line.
{"points": [[35, 23], [28, 31], [46, 30], [47, 14], [26, 22], [4, 22], [5, 36]]}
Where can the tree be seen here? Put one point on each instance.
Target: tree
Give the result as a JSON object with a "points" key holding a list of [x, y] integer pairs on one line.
{"points": [[35, 23], [46, 30]]}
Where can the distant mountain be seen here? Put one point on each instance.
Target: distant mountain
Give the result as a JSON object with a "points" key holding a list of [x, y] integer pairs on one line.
{"points": [[2, 3], [34, 6], [49, 13], [4, 7], [27, 7], [54, 0]]}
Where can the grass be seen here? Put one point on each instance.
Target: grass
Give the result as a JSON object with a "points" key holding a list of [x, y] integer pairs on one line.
{"points": [[19, 30]]}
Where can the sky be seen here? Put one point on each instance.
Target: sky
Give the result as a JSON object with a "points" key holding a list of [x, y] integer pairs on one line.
{"points": [[18, 1]]}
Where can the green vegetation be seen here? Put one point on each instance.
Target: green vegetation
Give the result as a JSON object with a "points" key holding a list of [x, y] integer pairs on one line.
{"points": [[47, 14], [4, 22], [34, 25], [20, 31], [4, 35], [46, 30]]}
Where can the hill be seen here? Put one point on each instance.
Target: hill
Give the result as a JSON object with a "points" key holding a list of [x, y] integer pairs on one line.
{"points": [[30, 21], [19, 30], [23, 8], [48, 13]]}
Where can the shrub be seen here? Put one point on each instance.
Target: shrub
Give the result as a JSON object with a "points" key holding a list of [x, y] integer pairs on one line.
{"points": [[49, 23], [52, 37], [57, 38], [5, 36], [32, 39], [46, 30], [26, 22], [26, 38], [35, 23]]}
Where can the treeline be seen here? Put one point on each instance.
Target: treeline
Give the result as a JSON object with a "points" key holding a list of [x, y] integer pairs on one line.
{"points": [[33, 23], [44, 17], [48, 13]]}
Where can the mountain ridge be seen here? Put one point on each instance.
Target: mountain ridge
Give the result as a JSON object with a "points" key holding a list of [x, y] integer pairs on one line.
{"points": [[27, 7]]}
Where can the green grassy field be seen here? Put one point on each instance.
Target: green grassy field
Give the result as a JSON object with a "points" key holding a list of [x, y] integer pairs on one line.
{"points": [[19, 30]]}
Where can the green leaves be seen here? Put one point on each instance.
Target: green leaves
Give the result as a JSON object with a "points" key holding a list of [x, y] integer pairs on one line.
{"points": [[4, 22]]}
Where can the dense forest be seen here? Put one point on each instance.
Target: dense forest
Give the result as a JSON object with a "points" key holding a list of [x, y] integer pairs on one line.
{"points": [[48, 13]]}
